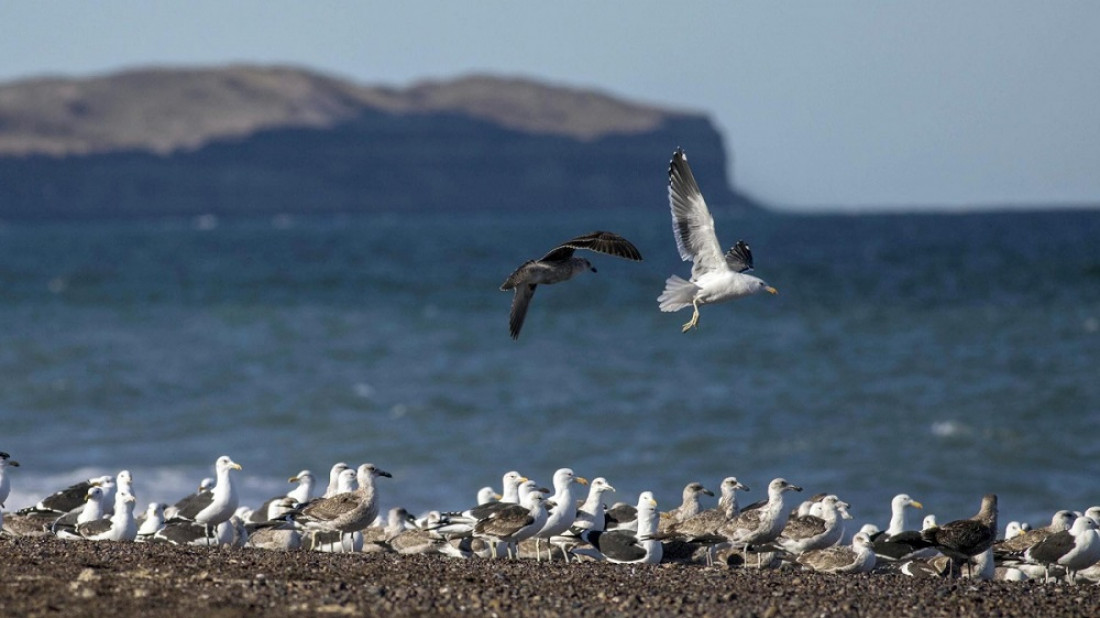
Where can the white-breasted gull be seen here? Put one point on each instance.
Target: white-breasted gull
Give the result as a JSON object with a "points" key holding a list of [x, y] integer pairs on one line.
{"points": [[715, 276]]}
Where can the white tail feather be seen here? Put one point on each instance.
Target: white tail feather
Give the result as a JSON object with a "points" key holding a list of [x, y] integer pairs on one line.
{"points": [[677, 295]]}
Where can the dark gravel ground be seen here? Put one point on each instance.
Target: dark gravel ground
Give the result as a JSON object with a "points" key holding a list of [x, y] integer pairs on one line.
{"points": [[48, 577]]}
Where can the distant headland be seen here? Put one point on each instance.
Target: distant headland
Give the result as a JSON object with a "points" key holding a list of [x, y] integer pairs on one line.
{"points": [[251, 140]]}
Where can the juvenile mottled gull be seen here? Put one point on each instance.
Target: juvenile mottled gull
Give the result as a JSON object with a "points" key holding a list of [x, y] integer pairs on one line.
{"points": [[763, 524], [557, 266], [809, 532], [690, 505], [859, 558], [965, 538], [715, 277], [702, 528], [728, 502], [1060, 521], [346, 512]]}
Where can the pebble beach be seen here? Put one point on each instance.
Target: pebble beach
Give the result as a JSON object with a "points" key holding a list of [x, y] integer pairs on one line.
{"points": [[44, 576]]}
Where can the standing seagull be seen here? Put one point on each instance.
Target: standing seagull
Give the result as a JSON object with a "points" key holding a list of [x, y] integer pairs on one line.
{"points": [[347, 512], [213, 507], [963, 539], [627, 546], [1075, 549], [557, 266], [715, 277], [5, 484]]}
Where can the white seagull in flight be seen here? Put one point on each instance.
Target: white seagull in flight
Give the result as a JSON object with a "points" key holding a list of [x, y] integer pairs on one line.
{"points": [[715, 277]]}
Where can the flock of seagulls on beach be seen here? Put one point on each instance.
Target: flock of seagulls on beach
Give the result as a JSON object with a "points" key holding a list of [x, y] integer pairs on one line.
{"points": [[526, 521], [715, 276]]}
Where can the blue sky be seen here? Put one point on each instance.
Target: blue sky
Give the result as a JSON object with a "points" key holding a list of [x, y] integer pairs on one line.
{"points": [[856, 105]]}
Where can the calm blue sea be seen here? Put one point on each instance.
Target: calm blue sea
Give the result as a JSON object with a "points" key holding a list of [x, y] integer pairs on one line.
{"points": [[940, 355]]}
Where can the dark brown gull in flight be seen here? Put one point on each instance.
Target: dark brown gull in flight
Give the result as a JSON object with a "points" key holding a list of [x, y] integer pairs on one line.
{"points": [[560, 265], [715, 277]]}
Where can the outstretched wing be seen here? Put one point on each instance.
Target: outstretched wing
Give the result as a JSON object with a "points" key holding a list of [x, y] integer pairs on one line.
{"points": [[739, 257], [520, 300], [600, 242], [692, 224]]}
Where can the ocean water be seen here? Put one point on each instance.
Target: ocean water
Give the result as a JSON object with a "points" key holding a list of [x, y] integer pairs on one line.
{"points": [[945, 356]]}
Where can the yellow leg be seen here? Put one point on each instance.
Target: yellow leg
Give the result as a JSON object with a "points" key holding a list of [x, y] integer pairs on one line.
{"points": [[694, 322]]}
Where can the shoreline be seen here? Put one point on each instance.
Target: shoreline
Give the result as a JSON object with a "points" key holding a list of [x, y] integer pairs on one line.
{"points": [[44, 575]]}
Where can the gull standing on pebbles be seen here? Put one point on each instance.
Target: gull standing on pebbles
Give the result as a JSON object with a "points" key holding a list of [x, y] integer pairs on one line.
{"points": [[963, 539], [5, 483], [763, 524], [514, 523], [627, 546], [561, 515], [715, 277], [347, 512], [557, 266], [214, 507]]}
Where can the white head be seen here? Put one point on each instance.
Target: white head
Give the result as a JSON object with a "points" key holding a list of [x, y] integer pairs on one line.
{"points": [[224, 464], [901, 501], [1081, 525], [564, 477], [124, 502], [646, 503], [756, 285], [600, 485], [869, 529], [486, 495], [345, 481]]}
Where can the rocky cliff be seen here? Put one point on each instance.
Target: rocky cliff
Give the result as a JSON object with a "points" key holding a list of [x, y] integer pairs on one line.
{"points": [[262, 140]]}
